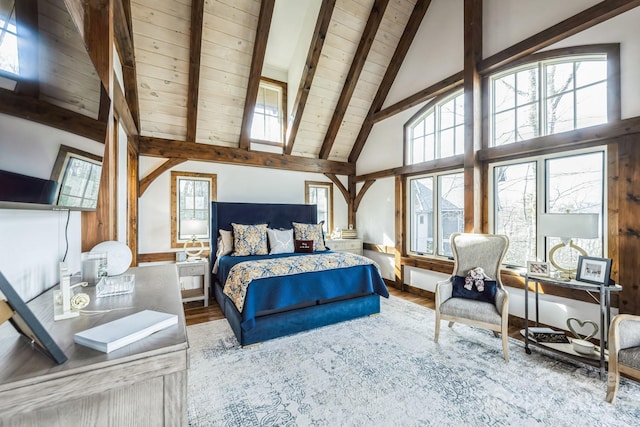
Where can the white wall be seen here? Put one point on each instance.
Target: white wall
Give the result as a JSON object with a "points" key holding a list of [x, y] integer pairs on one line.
{"points": [[437, 52], [32, 243], [234, 184]]}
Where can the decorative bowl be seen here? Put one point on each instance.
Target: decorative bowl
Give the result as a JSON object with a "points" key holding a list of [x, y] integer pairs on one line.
{"points": [[583, 346]]}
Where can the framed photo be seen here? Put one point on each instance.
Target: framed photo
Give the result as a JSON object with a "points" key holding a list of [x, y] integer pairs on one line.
{"points": [[538, 268], [594, 270], [28, 324]]}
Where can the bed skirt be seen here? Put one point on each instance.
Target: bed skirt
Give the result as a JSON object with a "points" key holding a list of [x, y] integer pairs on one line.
{"points": [[301, 318]]}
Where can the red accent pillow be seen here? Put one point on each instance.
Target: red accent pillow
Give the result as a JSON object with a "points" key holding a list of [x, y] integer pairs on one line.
{"points": [[303, 246]]}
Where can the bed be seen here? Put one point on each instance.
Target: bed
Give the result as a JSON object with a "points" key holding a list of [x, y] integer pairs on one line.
{"points": [[276, 306]]}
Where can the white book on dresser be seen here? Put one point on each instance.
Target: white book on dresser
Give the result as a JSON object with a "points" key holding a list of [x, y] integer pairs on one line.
{"points": [[118, 333]]}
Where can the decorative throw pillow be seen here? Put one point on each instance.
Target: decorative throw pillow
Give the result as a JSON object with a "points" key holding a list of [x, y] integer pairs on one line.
{"points": [[280, 241], [304, 246], [310, 232], [249, 239], [488, 293], [225, 243]]}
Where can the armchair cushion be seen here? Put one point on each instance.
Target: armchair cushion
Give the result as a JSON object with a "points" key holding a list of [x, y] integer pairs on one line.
{"points": [[630, 357], [478, 311], [488, 293]]}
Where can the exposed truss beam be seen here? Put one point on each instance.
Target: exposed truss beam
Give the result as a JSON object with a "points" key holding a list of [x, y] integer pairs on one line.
{"points": [[313, 56], [167, 148], [124, 45], [366, 41], [259, 50], [342, 188], [432, 91], [419, 10], [147, 180], [195, 49], [594, 15]]}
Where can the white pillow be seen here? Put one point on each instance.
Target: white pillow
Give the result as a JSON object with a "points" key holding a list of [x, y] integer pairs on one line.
{"points": [[225, 243], [225, 247], [280, 241]]}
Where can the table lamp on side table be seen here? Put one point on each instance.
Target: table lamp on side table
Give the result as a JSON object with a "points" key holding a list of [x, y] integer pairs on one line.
{"points": [[568, 226], [193, 227]]}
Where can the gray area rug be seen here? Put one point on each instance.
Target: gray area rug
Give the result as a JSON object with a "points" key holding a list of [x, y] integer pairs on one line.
{"points": [[386, 370]]}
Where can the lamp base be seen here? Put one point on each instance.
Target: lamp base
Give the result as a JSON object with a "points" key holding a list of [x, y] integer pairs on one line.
{"points": [[193, 254], [565, 273]]}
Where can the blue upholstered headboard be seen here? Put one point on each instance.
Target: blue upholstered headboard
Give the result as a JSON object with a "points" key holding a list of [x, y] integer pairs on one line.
{"points": [[276, 215]]}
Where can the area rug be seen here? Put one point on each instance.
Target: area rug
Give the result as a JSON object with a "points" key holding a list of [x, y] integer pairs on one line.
{"points": [[386, 370]]}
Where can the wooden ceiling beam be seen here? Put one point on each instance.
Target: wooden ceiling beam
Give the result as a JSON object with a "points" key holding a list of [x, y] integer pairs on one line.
{"points": [[49, 114], [195, 50], [255, 73], [583, 20], [313, 56], [124, 45], [594, 15], [410, 30], [432, 91], [167, 148], [366, 41], [147, 180]]}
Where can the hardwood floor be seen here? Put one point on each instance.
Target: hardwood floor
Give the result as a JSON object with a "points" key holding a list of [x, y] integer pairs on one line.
{"points": [[195, 313]]}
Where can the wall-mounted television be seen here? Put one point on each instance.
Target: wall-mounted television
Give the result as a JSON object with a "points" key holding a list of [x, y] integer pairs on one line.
{"points": [[45, 69]]}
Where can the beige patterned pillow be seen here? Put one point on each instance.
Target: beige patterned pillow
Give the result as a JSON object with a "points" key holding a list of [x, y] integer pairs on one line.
{"points": [[249, 239], [310, 232]]}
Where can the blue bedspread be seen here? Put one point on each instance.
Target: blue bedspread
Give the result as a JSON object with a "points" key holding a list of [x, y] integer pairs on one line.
{"points": [[277, 293]]}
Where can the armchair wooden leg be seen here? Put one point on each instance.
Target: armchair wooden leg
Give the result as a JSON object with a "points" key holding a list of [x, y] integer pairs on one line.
{"points": [[613, 380], [451, 324], [505, 346], [435, 338]]}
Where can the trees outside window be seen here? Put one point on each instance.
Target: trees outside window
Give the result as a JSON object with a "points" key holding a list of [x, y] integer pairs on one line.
{"points": [[436, 131], [321, 195], [548, 97], [191, 197], [436, 210], [522, 190]]}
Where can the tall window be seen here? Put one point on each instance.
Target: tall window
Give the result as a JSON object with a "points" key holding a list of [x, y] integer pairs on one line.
{"points": [[8, 38], [269, 123], [321, 194], [437, 131], [522, 190], [548, 97], [436, 210], [191, 196]]}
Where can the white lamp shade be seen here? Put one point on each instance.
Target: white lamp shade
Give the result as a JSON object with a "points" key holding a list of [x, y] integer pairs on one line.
{"points": [[193, 227], [570, 225]]}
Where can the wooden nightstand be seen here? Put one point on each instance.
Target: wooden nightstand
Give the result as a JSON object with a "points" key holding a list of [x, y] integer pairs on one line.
{"points": [[191, 269], [345, 245]]}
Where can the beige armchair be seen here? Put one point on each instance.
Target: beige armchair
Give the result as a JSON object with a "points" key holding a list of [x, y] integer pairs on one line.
{"points": [[624, 351], [471, 251]]}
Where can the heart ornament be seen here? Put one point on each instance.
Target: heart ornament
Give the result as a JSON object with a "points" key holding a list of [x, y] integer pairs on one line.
{"points": [[581, 324]]}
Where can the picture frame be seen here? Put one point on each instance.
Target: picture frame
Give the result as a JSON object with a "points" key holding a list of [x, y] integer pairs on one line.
{"points": [[538, 268], [28, 325], [593, 270]]}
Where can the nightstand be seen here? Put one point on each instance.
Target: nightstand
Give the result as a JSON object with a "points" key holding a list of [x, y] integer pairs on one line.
{"points": [[345, 245], [188, 269]]}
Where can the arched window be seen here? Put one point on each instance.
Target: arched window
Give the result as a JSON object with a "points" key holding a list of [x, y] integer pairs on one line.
{"points": [[436, 131], [555, 93]]}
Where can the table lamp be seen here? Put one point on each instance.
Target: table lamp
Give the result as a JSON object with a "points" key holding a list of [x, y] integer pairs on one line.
{"points": [[194, 227], [568, 226]]}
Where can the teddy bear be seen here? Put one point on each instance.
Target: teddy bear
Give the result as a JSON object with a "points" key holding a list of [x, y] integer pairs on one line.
{"points": [[476, 277]]}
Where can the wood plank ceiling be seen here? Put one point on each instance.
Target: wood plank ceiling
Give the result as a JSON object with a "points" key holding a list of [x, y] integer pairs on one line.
{"points": [[343, 74]]}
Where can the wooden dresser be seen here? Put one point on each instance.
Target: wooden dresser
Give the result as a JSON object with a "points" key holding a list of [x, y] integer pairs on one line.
{"points": [[144, 383], [345, 245]]}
